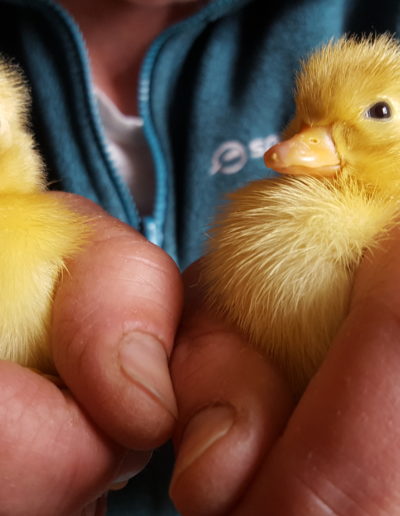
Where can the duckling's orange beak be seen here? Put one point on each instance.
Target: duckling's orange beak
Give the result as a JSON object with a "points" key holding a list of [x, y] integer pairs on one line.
{"points": [[310, 152]]}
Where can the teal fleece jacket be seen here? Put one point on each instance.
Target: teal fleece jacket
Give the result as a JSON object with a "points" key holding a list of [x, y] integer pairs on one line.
{"points": [[215, 91]]}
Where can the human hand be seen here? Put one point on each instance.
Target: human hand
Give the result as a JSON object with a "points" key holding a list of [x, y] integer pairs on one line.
{"points": [[241, 449], [114, 320]]}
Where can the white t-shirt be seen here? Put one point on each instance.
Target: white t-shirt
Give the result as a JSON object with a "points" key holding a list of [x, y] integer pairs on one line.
{"points": [[129, 151]]}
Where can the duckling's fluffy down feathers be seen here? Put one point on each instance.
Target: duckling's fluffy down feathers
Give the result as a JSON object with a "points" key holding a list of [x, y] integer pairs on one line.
{"points": [[281, 260], [38, 234]]}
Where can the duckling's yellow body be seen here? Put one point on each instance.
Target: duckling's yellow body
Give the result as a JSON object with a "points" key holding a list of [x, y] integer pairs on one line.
{"points": [[37, 234], [283, 252], [281, 263]]}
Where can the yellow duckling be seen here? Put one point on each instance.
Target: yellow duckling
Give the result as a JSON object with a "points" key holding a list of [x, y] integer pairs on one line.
{"points": [[37, 234], [283, 252]]}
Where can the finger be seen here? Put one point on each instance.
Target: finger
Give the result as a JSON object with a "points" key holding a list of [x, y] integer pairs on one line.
{"points": [[132, 463], [339, 453], [114, 321], [53, 460], [97, 508], [101, 507], [232, 406]]}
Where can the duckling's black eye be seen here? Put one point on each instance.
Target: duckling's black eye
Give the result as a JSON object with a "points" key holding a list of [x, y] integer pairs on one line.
{"points": [[379, 110]]}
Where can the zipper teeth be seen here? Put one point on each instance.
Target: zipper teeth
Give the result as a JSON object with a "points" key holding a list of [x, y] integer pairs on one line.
{"points": [[209, 13], [92, 114]]}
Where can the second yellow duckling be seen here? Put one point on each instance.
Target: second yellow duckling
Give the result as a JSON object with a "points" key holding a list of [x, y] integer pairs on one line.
{"points": [[37, 234], [283, 252]]}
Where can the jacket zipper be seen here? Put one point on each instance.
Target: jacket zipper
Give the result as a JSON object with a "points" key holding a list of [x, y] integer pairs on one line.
{"points": [[153, 225]]}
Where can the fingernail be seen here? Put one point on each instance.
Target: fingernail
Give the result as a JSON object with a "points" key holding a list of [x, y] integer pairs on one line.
{"points": [[144, 361], [117, 486], [203, 431]]}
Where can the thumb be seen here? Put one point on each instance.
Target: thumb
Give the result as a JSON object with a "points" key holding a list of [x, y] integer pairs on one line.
{"points": [[114, 321]]}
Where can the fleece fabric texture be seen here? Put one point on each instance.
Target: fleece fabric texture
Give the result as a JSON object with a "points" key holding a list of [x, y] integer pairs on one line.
{"points": [[215, 91]]}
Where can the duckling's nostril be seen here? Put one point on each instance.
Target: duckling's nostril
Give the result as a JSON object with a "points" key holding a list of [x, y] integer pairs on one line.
{"points": [[314, 140]]}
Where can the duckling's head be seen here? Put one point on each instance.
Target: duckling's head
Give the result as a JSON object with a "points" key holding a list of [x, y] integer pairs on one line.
{"points": [[347, 118], [21, 168]]}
